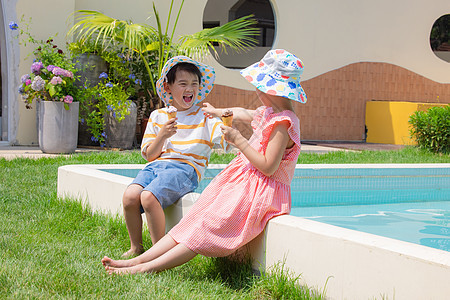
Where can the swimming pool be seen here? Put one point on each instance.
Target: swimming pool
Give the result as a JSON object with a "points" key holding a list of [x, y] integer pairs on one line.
{"points": [[324, 255], [403, 202]]}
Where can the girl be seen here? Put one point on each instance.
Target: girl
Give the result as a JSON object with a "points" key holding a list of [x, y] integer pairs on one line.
{"points": [[253, 188]]}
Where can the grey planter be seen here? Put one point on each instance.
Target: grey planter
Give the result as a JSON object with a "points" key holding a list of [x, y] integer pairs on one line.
{"points": [[57, 127], [121, 134]]}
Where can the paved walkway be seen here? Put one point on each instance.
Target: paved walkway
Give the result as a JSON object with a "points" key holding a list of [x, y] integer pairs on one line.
{"points": [[11, 152]]}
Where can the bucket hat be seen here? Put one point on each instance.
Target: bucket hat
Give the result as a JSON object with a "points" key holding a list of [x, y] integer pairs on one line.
{"points": [[278, 73], [206, 84]]}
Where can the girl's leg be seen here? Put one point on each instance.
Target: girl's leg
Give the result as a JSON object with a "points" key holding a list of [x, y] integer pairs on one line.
{"points": [[156, 220], [176, 256], [164, 245], [131, 210]]}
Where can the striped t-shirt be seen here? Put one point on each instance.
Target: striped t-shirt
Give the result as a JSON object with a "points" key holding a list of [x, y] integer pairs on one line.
{"points": [[194, 140]]}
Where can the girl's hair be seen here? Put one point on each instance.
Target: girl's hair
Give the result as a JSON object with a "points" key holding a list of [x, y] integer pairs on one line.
{"points": [[183, 66]]}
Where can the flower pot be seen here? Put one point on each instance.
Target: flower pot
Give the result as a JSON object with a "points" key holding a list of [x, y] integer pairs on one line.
{"points": [[57, 127], [89, 66], [121, 134]]}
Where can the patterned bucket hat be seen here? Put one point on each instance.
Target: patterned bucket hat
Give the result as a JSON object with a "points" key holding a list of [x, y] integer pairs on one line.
{"points": [[206, 84], [278, 73]]}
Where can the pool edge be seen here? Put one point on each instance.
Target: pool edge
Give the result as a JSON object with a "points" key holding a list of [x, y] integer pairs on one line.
{"points": [[352, 265]]}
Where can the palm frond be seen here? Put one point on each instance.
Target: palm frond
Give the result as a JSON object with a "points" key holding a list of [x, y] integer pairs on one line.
{"points": [[237, 35], [105, 30]]}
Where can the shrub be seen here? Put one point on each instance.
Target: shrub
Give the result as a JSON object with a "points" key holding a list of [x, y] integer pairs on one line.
{"points": [[431, 129]]}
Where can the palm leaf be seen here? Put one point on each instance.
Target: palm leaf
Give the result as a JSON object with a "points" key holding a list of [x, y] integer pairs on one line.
{"points": [[95, 25], [237, 35]]}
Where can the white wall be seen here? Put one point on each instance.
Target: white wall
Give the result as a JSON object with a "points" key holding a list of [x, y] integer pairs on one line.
{"points": [[325, 34], [44, 23]]}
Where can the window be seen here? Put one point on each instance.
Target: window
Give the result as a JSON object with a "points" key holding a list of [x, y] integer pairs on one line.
{"points": [[219, 12], [440, 38]]}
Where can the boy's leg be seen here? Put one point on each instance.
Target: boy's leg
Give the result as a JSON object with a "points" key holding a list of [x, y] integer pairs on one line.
{"points": [[156, 220], [131, 210]]}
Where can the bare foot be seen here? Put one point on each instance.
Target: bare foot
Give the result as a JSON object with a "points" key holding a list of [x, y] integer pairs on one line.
{"points": [[132, 252], [121, 271], [108, 262]]}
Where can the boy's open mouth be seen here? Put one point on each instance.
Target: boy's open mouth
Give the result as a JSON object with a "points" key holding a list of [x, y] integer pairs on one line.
{"points": [[188, 99]]}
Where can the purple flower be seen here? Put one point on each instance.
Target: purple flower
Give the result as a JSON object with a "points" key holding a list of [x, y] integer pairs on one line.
{"points": [[28, 82], [68, 74], [13, 25], [21, 90], [103, 75], [50, 68], [138, 81], [61, 72], [24, 78], [38, 83], [109, 84], [132, 76], [68, 99], [56, 80], [36, 67]]}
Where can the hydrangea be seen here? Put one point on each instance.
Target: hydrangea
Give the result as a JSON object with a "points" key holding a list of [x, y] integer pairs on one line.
{"points": [[38, 83], [68, 99], [24, 78], [61, 72], [28, 82], [36, 67], [103, 75], [56, 80], [50, 68], [21, 90]]}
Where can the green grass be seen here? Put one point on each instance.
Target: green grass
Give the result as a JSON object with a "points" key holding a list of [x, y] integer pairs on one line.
{"points": [[51, 247]]}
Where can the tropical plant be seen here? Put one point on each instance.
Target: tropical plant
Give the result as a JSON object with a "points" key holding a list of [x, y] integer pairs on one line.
{"points": [[156, 43]]}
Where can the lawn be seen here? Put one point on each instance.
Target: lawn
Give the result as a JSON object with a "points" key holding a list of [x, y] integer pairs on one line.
{"points": [[51, 247]]}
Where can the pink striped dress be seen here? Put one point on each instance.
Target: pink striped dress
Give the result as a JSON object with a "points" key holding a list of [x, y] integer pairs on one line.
{"points": [[235, 207]]}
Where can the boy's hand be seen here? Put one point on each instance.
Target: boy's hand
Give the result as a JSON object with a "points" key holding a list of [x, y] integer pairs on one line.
{"points": [[209, 110], [233, 136], [168, 129]]}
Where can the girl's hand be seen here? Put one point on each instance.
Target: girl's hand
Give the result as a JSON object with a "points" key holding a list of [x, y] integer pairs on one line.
{"points": [[233, 136], [210, 111], [168, 129]]}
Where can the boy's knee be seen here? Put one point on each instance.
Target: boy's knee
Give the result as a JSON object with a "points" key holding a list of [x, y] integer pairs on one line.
{"points": [[131, 197], [148, 200]]}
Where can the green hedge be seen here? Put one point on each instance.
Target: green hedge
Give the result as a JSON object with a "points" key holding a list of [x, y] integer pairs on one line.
{"points": [[431, 128]]}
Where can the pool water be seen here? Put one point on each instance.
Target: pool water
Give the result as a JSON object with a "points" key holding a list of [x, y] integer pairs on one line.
{"points": [[402, 202]]}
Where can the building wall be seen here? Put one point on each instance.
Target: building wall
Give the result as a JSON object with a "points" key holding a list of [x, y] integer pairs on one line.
{"points": [[43, 24], [353, 51]]}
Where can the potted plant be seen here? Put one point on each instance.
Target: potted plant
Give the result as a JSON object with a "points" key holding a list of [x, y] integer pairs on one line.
{"points": [[107, 111], [51, 84]]}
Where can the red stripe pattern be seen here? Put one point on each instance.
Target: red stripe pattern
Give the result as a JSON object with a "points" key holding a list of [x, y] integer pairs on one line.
{"points": [[238, 203]]}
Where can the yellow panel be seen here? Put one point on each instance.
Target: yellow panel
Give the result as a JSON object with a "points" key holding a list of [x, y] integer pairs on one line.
{"points": [[387, 121]]}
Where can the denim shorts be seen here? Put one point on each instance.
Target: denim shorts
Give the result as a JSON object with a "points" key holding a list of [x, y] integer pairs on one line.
{"points": [[167, 180]]}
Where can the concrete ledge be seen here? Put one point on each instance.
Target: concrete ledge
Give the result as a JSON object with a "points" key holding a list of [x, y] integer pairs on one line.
{"points": [[349, 264], [103, 191]]}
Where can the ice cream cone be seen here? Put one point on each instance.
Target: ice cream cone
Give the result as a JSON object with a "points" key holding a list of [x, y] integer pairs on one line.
{"points": [[227, 117], [172, 112]]}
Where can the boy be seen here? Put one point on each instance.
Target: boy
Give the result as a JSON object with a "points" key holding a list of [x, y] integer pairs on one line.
{"points": [[178, 149]]}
